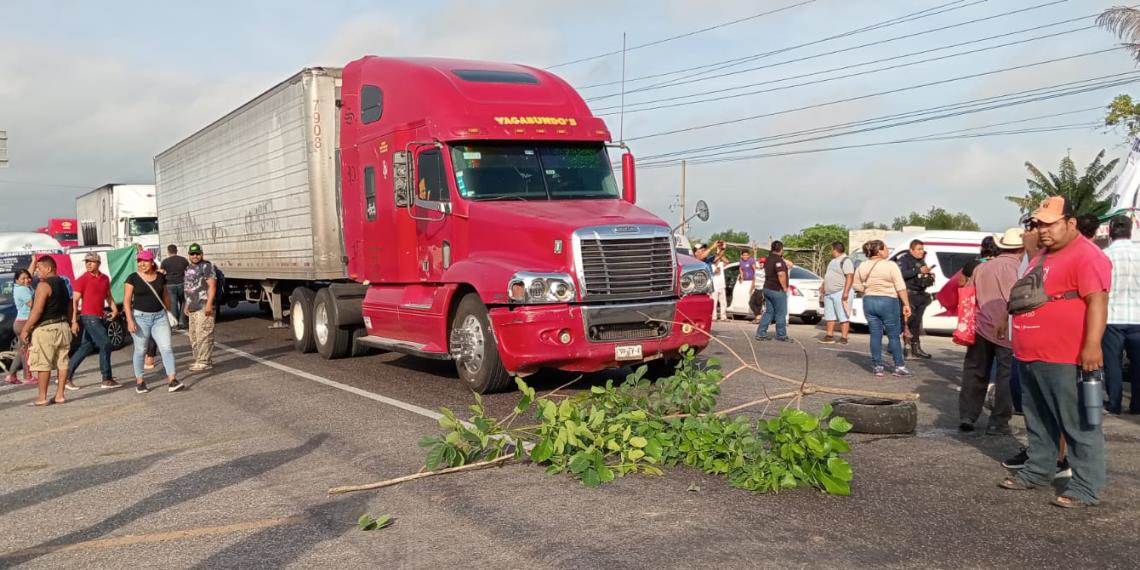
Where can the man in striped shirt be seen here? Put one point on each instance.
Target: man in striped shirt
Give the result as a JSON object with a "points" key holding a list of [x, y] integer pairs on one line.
{"points": [[1123, 331]]}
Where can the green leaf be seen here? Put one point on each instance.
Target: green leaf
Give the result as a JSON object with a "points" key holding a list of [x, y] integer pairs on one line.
{"points": [[365, 522], [694, 488], [597, 390], [591, 478], [434, 459], [839, 469], [653, 449], [638, 441], [430, 440], [636, 454], [637, 415], [839, 424], [542, 451], [834, 486], [579, 462], [826, 411], [605, 474]]}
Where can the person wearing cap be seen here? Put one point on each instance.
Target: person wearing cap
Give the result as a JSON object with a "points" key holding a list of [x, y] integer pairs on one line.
{"points": [[1053, 344], [145, 302], [91, 295], [201, 288], [992, 282], [1123, 332]]}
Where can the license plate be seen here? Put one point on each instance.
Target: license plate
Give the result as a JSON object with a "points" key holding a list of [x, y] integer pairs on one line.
{"points": [[632, 352]]}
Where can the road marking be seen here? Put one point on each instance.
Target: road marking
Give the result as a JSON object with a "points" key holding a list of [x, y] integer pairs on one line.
{"points": [[155, 537], [333, 384]]}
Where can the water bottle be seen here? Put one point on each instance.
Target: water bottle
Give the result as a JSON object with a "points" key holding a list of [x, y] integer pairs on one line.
{"points": [[1091, 384]]}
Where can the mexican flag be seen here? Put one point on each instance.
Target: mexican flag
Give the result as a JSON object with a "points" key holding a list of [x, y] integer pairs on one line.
{"points": [[120, 264]]}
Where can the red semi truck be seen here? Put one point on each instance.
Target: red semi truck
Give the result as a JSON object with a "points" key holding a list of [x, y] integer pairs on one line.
{"points": [[64, 230], [448, 209]]}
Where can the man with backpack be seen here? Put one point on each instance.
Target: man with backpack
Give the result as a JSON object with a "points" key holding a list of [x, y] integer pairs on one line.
{"points": [[1060, 309]]}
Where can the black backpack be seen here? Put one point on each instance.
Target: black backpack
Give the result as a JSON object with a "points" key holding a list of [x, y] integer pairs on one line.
{"points": [[1028, 293]]}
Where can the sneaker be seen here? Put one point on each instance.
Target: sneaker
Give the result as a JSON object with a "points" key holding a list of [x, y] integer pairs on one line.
{"points": [[1063, 469], [879, 371], [1017, 461], [141, 388], [902, 372], [842, 341], [828, 339], [783, 339], [109, 384], [71, 386], [762, 337], [966, 427], [175, 386], [1004, 429]]}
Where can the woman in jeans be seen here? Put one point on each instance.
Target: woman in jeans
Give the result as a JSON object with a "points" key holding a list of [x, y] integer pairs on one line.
{"points": [[145, 300], [22, 296], [881, 283]]}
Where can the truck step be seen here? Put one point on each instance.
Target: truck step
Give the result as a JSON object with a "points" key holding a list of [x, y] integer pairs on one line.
{"points": [[402, 346]]}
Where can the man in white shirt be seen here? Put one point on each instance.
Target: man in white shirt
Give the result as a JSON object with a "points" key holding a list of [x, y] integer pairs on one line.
{"points": [[720, 294], [1123, 331]]}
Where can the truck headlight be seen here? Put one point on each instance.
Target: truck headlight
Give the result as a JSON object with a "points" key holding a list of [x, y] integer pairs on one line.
{"points": [[528, 287], [696, 280]]}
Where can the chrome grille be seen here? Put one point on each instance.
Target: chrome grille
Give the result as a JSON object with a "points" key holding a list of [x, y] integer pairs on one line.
{"points": [[634, 267]]}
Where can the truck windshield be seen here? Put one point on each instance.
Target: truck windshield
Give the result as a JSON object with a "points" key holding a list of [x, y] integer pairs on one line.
{"points": [[66, 237], [544, 171], [143, 226]]}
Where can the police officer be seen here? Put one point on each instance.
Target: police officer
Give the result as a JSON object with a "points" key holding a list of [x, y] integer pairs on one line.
{"points": [[918, 277]]}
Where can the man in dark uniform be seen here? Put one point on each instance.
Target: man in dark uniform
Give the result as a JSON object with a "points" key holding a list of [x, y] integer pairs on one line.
{"points": [[918, 277]]}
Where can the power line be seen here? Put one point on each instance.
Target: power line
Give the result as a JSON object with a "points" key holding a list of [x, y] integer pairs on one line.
{"points": [[23, 183], [880, 60], [684, 35], [870, 95], [927, 138], [818, 55], [711, 68]]}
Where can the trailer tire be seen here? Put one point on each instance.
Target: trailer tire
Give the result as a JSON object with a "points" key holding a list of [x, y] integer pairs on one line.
{"points": [[481, 369], [332, 340], [301, 319]]}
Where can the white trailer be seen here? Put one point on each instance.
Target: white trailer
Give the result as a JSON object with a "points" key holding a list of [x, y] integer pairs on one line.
{"points": [[118, 215]]}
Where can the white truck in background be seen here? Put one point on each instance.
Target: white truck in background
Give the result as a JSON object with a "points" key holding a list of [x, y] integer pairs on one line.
{"points": [[118, 215]]}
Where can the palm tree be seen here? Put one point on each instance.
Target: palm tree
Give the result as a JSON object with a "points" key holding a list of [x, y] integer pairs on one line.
{"points": [[1125, 23], [1088, 193]]}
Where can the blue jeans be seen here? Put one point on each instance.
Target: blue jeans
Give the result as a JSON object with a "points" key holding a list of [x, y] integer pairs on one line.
{"points": [[177, 300], [884, 315], [1119, 339], [775, 307], [152, 325], [1052, 409], [93, 332]]}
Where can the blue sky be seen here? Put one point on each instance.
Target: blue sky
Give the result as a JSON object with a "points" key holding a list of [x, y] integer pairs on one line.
{"points": [[89, 93]]}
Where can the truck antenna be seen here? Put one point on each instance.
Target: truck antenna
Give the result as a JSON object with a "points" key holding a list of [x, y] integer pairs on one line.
{"points": [[621, 121]]}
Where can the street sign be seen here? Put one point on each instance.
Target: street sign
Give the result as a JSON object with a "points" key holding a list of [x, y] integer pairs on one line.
{"points": [[3, 149]]}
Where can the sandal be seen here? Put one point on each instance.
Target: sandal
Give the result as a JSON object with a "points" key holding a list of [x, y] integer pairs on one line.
{"points": [[40, 404], [1067, 502], [1015, 484]]}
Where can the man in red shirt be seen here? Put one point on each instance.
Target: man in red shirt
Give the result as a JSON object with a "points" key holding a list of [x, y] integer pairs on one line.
{"points": [[1053, 344], [89, 293]]}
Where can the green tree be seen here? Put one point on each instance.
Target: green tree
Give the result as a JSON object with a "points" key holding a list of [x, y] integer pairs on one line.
{"points": [[814, 244], [1089, 193], [732, 254], [1123, 113], [937, 219], [1124, 22], [874, 226]]}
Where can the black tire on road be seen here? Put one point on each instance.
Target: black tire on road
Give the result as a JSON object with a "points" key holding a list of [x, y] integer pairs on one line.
{"points": [[332, 340], [301, 319], [485, 374], [877, 415]]}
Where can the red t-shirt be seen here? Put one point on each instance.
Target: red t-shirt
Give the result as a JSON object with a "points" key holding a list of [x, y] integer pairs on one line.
{"points": [[1055, 331], [94, 291]]}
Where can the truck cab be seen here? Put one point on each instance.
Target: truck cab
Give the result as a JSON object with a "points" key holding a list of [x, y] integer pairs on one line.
{"points": [[480, 207]]}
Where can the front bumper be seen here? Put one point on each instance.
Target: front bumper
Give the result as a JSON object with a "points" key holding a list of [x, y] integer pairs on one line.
{"points": [[528, 336]]}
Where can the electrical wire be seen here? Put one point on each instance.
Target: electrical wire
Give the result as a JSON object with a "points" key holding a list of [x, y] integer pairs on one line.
{"points": [[684, 35], [870, 95]]}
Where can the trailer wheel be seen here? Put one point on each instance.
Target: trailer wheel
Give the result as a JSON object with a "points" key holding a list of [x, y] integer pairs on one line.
{"points": [[301, 319], [474, 349], [333, 340]]}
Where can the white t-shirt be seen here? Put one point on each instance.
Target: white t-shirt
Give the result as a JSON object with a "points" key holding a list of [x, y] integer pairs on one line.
{"points": [[718, 276]]}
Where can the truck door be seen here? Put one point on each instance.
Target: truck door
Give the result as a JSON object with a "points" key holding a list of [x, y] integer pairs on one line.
{"points": [[432, 210]]}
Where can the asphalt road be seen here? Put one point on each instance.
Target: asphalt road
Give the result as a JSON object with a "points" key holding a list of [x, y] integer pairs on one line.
{"points": [[233, 472]]}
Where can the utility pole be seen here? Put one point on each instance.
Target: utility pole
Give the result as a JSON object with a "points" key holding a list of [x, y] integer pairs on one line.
{"points": [[683, 230]]}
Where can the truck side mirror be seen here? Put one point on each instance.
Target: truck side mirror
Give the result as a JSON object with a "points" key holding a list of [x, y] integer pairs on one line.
{"points": [[401, 175], [628, 178]]}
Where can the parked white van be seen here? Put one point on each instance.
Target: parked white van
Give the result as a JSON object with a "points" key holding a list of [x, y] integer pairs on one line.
{"points": [[946, 251]]}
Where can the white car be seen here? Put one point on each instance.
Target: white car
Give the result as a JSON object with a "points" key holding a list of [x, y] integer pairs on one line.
{"points": [[803, 294], [947, 251]]}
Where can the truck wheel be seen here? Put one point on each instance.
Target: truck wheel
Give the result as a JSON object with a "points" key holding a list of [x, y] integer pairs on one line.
{"points": [[333, 341], [473, 346], [301, 319], [117, 333]]}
